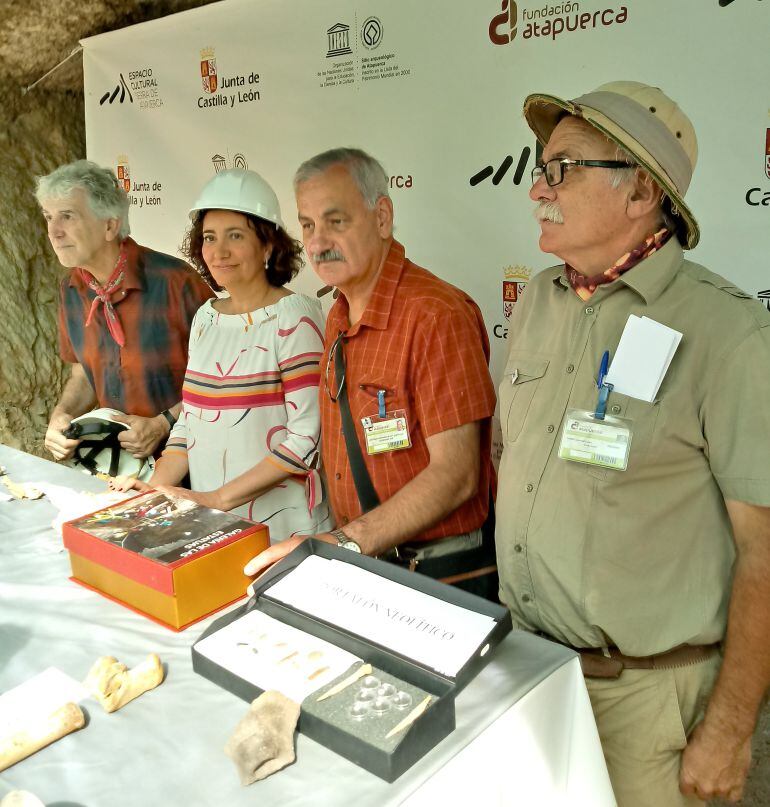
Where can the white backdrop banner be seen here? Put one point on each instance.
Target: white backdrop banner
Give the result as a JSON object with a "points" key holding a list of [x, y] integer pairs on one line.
{"points": [[434, 90]]}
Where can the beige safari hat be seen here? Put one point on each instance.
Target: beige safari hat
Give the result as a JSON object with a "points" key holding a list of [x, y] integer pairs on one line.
{"points": [[645, 122]]}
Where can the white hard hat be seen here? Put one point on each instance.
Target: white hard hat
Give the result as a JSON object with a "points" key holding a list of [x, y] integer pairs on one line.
{"points": [[99, 451], [240, 190]]}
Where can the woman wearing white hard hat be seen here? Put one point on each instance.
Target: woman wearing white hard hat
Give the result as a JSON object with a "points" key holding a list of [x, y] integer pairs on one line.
{"points": [[249, 430]]}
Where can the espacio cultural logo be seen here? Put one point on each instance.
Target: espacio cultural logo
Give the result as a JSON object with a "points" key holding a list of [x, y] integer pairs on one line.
{"points": [[141, 85], [112, 94], [548, 20], [212, 83]]}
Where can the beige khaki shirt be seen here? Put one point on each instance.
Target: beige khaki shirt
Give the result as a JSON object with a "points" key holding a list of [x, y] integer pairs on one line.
{"points": [[640, 558]]}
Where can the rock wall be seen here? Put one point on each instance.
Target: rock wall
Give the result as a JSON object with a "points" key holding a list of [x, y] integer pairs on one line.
{"points": [[39, 131]]}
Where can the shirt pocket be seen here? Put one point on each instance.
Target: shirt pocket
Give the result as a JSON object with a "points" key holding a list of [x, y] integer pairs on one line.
{"points": [[396, 400], [521, 380], [367, 398], [644, 417]]}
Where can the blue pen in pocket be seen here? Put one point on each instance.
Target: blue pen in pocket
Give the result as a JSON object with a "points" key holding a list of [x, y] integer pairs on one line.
{"points": [[604, 388]]}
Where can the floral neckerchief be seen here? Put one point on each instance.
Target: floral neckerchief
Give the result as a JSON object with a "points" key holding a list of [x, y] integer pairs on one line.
{"points": [[103, 294], [584, 286]]}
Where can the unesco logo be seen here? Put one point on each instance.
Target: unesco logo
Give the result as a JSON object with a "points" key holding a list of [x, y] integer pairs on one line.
{"points": [[220, 163], [371, 33]]}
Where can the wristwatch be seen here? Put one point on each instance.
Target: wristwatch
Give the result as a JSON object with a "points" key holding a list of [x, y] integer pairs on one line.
{"points": [[344, 541], [169, 417]]}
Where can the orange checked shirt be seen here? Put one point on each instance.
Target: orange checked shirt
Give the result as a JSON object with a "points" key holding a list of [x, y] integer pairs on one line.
{"points": [[423, 341]]}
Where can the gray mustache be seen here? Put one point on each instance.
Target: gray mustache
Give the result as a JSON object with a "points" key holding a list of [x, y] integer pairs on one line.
{"points": [[548, 211], [327, 256]]}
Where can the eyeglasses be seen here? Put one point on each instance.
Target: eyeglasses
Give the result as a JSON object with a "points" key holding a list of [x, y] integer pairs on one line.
{"points": [[337, 344], [553, 170]]}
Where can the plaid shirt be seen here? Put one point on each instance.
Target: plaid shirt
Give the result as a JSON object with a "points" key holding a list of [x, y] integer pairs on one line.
{"points": [[423, 341], [156, 303]]}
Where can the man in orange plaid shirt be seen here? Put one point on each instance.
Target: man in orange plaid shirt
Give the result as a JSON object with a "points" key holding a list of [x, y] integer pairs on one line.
{"points": [[415, 353]]}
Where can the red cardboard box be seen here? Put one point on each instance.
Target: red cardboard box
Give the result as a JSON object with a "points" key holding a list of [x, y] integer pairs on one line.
{"points": [[170, 559]]}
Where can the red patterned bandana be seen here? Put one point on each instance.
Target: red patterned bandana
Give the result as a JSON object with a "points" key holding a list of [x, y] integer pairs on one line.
{"points": [[584, 286], [103, 294]]}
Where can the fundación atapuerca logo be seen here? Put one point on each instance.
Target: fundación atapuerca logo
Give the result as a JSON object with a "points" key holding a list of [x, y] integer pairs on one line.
{"points": [[502, 27], [549, 21]]}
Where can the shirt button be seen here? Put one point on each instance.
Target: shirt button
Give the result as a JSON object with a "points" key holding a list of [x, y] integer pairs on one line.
{"points": [[615, 408], [525, 598], [338, 476], [517, 548], [549, 429], [589, 310], [570, 368], [530, 487], [344, 519]]}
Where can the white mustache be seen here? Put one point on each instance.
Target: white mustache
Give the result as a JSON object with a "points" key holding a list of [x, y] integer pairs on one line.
{"points": [[327, 256], [548, 211]]}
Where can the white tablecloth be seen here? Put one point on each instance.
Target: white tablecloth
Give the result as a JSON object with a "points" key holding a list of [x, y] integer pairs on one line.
{"points": [[525, 733]]}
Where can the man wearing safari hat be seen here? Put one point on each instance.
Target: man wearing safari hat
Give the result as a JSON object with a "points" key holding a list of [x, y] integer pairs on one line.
{"points": [[633, 523]]}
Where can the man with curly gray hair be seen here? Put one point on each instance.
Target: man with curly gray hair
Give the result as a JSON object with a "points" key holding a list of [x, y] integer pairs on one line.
{"points": [[124, 314]]}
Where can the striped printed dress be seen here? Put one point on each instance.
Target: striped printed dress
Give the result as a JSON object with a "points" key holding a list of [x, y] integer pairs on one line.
{"points": [[251, 391]]}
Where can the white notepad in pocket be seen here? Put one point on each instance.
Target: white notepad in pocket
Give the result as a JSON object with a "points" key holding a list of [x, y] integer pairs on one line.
{"points": [[642, 359]]}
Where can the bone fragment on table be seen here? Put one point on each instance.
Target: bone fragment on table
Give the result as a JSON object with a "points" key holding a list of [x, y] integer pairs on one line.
{"points": [[410, 718], [263, 741], [19, 490], [39, 732], [364, 669], [114, 685]]}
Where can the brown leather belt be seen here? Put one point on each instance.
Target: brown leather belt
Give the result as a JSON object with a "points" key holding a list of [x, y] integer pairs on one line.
{"points": [[609, 662], [598, 662]]}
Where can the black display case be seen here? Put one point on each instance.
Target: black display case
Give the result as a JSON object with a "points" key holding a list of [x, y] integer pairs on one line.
{"points": [[390, 760]]}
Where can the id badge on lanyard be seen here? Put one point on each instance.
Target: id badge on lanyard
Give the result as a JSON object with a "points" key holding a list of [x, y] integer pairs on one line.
{"points": [[605, 442], [386, 431], [593, 437]]}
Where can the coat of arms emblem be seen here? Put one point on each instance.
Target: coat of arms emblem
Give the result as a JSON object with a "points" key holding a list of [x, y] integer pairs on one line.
{"points": [[124, 173], [767, 154], [208, 70], [516, 278]]}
